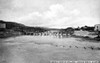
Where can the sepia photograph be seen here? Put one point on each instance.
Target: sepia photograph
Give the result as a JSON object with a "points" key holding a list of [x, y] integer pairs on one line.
{"points": [[49, 31]]}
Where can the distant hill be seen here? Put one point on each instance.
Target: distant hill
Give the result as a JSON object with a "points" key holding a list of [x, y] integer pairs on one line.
{"points": [[10, 25], [20, 27]]}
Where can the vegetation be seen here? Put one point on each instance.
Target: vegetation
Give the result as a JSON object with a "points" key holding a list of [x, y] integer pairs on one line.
{"points": [[13, 28]]}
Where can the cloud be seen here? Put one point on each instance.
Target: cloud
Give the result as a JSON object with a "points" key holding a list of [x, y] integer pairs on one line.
{"points": [[51, 13], [5, 4], [57, 15]]}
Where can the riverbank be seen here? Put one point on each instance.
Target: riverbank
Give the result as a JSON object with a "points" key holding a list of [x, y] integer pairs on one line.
{"points": [[9, 34]]}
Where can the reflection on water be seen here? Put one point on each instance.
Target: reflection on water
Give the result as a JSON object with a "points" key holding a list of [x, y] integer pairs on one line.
{"points": [[54, 35], [57, 36]]}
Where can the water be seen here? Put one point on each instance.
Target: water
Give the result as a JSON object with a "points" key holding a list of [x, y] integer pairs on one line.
{"points": [[43, 49]]}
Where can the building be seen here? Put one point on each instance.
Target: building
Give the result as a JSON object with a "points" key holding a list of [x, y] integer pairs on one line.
{"points": [[97, 27], [2, 25]]}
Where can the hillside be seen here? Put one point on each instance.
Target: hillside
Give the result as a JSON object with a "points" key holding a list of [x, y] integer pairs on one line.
{"points": [[10, 25]]}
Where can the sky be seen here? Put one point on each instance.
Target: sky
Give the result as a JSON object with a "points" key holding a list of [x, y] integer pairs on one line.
{"points": [[51, 13]]}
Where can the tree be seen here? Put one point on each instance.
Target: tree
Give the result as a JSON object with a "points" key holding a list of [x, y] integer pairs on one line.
{"points": [[69, 31]]}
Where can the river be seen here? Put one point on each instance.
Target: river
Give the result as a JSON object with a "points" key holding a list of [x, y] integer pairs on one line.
{"points": [[45, 49]]}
